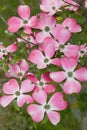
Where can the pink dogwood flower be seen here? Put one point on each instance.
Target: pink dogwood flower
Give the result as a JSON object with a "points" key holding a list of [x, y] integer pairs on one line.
{"points": [[43, 84], [51, 6], [82, 50], [15, 23], [71, 85], [18, 70], [12, 91], [56, 103], [42, 60], [62, 32], [69, 50], [45, 23], [5, 50]]}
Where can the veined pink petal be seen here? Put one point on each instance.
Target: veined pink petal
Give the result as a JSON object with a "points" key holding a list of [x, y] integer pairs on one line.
{"points": [[26, 86], [70, 22], [71, 50], [81, 74], [76, 28], [14, 70], [37, 58], [57, 102], [54, 117], [71, 86], [33, 21], [36, 112], [32, 77], [22, 99], [69, 63], [6, 100], [24, 11], [10, 87], [46, 77], [48, 48], [49, 88], [24, 66], [63, 35], [40, 37], [12, 48], [56, 61], [14, 24], [58, 76], [40, 96]]}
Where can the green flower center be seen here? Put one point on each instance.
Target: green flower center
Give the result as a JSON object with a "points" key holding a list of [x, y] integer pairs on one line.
{"points": [[53, 8], [46, 60], [47, 29], [20, 74], [47, 107], [70, 74], [61, 46], [41, 83], [82, 51], [25, 22], [17, 93], [67, 27]]}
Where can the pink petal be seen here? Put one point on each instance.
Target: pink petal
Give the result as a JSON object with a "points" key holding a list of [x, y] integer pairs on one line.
{"points": [[24, 11], [26, 86], [22, 99], [54, 117], [71, 86], [48, 48], [24, 66], [6, 100], [14, 70], [33, 21], [71, 50], [76, 28], [46, 77], [40, 37], [63, 35], [68, 63], [58, 76], [40, 96], [37, 57], [12, 47], [57, 102], [49, 88], [14, 24], [70, 22], [32, 77], [36, 112], [56, 61], [81, 74], [10, 87]]}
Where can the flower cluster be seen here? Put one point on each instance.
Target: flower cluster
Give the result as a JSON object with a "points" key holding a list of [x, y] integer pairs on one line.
{"points": [[49, 60]]}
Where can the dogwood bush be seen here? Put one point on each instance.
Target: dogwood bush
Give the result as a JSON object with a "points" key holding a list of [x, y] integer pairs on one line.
{"points": [[46, 61]]}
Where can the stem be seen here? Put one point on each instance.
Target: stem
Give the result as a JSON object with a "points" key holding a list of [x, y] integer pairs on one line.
{"points": [[75, 108], [70, 3], [22, 2], [16, 33]]}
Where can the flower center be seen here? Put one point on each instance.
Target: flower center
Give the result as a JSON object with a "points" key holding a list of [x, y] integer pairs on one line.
{"points": [[53, 8], [46, 60], [61, 46], [67, 27], [82, 51], [41, 83], [17, 93], [47, 107], [25, 22], [70, 74], [20, 74], [47, 29]]}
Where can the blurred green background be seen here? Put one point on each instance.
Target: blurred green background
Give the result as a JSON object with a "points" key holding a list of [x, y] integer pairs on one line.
{"points": [[11, 118]]}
